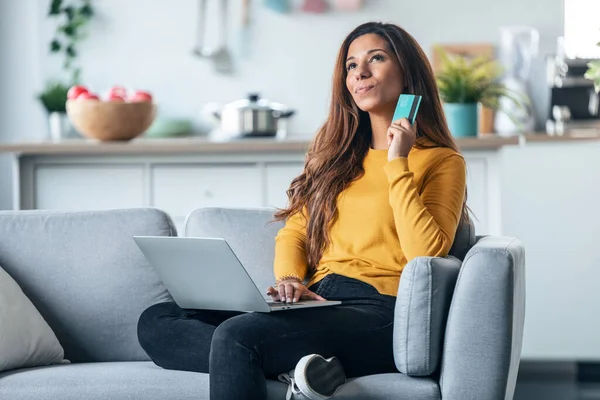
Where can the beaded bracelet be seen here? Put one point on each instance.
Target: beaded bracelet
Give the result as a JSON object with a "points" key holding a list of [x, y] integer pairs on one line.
{"points": [[285, 278]]}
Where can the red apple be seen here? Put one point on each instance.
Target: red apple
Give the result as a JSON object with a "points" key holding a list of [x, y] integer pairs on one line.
{"points": [[141, 96], [118, 90], [88, 96], [75, 91], [116, 97]]}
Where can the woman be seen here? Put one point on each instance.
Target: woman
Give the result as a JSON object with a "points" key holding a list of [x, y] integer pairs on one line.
{"points": [[374, 194]]}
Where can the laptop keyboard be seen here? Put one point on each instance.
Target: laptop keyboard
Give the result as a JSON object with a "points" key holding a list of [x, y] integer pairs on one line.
{"points": [[279, 303]]}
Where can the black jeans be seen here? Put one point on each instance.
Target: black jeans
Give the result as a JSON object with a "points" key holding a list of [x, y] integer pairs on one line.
{"points": [[242, 350]]}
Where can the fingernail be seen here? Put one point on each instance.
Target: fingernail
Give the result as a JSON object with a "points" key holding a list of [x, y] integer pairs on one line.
{"points": [[289, 300], [294, 300]]}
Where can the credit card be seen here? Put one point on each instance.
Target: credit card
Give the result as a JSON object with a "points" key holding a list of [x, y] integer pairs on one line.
{"points": [[407, 107]]}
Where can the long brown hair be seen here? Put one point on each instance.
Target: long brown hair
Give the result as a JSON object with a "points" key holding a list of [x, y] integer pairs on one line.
{"points": [[335, 157]]}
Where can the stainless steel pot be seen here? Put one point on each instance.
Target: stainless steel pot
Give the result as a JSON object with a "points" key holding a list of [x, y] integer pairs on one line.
{"points": [[253, 117]]}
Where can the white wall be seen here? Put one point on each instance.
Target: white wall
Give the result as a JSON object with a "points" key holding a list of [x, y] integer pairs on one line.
{"points": [[148, 43], [20, 78]]}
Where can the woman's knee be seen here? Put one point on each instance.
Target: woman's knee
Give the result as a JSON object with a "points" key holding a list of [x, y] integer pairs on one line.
{"points": [[246, 330], [148, 326]]}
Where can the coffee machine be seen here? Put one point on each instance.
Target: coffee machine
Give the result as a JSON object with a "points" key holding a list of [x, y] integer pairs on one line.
{"points": [[574, 104]]}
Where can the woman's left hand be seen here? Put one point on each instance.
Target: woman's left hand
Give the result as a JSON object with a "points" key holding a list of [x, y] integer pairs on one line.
{"points": [[401, 136]]}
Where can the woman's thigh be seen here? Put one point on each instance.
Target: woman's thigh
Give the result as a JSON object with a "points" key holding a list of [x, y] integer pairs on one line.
{"points": [[359, 335]]}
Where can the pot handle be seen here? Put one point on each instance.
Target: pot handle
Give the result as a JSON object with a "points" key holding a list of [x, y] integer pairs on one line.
{"points": [[286, 114]]}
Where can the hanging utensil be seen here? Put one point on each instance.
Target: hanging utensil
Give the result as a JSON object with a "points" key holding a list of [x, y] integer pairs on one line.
{"points": [[199, 49], [222, 57], [243, 40]]}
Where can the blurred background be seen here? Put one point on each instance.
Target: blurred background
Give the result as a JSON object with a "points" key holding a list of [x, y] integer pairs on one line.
{"points": [[172, 79]]}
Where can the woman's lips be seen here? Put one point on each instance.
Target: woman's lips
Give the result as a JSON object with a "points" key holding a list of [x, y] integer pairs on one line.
{"points": [[363, 89]]}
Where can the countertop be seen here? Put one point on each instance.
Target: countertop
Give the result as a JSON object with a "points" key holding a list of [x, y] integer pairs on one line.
{"points": [[200, 145]]}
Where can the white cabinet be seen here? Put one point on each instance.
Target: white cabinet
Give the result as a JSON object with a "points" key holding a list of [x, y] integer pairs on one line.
{"points": [[278, 179], [179, 186], [477, 199], [88, 187], [180, 189]]}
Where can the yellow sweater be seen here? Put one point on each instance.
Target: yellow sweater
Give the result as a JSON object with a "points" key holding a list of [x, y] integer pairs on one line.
{"points": [[396, 211]]}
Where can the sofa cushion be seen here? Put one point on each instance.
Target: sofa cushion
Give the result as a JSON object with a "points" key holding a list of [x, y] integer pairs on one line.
{"points": [[114, 381], [26, 340], [424, 298], [389, 387], [250, 233], [86, 276], [144, 380]]}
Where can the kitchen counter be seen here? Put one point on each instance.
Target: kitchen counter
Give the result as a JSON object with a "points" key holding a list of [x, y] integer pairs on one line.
{"points": [[202, 145], [573, 137]]}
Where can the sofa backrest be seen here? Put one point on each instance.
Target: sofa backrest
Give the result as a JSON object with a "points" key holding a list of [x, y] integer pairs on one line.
{"points": [[250, 233], [86, 276], [464, 239]]}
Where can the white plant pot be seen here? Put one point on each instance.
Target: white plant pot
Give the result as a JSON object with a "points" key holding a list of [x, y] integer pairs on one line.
{"points": [[58, 126]]}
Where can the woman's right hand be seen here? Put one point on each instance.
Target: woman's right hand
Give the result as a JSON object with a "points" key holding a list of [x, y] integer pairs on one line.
{"points": [[291, 291]]}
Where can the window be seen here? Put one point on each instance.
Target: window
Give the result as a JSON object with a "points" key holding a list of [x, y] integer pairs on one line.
{"points": [[582, 28]]}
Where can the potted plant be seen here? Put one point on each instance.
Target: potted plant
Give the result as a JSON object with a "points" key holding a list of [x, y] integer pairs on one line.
{"points": [[73, 16], [468, 85], [593, 73], [53, 99]]}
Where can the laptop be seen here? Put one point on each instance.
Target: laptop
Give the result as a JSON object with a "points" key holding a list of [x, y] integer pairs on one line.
{"points": [[204, 273]]}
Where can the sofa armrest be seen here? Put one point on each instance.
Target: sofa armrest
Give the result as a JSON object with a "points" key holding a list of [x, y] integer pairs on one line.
{"points": [[484, 331], [424, 297]]}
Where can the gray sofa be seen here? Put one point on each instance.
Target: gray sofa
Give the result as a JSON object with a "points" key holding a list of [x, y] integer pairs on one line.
{"points": [[458, 328]]}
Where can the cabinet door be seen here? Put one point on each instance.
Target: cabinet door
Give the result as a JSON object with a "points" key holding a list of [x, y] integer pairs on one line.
{"points": [[278, 179], [180, 189], [550, 196], [73, 187], [477, 190]]}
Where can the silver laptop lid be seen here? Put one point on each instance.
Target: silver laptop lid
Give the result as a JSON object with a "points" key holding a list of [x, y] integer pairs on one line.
{"points": [[202, 273]]}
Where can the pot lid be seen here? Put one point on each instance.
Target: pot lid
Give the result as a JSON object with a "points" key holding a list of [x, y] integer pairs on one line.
{"points": [[254, 102]]}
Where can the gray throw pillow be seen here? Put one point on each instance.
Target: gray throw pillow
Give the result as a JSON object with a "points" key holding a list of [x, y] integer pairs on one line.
{"points": [[26, 340]]}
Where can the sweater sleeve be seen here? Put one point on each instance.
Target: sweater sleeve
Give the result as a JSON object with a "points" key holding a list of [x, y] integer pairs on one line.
{"points": [[426, 223], [290, 249]]}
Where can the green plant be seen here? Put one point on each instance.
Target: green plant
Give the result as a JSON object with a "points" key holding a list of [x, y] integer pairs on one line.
{"points": [[70, 31], [54, 97], [593, 73], [73, 18], [462, 80]]}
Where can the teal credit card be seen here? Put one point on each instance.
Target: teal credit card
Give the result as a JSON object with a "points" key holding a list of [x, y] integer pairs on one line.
{"points": [[407, 107]]}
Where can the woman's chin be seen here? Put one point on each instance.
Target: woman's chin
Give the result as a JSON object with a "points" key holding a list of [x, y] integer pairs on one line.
{"points": [[369, 105]]}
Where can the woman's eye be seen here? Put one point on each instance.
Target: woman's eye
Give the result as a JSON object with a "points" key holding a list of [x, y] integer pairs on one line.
{"points": [[350, 66], [377, 57]]}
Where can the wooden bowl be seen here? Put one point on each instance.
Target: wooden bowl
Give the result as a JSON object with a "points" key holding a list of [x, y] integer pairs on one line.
{"points": [[109, 120]]}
